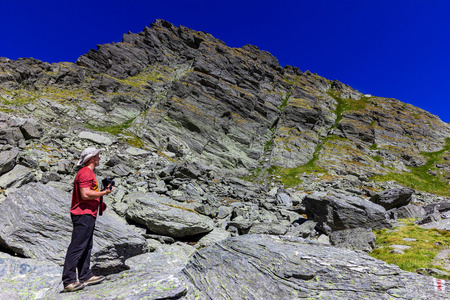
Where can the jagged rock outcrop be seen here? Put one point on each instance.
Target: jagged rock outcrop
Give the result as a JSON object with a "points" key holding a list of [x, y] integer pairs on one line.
{"points": [[35, 223], [393, 198], [262, 267], [205, 142], [335, 212], [250, 267], [165, 216], [229, 107]]}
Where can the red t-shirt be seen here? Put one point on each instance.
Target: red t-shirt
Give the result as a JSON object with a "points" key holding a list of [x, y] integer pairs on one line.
{"points": [[84, 179]]}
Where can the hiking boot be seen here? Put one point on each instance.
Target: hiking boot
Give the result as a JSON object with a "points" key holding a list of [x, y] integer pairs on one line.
{"points": [[93, 280], [72, 287]]}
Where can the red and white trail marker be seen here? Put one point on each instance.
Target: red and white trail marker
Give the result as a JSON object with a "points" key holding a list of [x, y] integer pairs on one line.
{"points": [[439, 284]]}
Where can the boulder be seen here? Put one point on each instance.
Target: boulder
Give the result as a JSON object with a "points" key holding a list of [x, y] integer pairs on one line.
{"points": [[304, 229], [8, 160], [22, 278], [165, 216], [270, 267], [439, 225], [151, 276], [335, 211], [410, 211], [95, 137], [35, 223], [10, 135], [31, 129], [393, 198], [217, 235], [442, 207], [284, 199], [268, 228], [431, 216], [354, 239], [16, 177]]}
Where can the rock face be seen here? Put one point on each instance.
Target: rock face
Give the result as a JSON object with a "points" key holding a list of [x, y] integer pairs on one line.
{"points": [[393, 198], [338, 212], [187, 92], [262, 267], [35, 223], [207, 142], [246, 267], [165, 216]]}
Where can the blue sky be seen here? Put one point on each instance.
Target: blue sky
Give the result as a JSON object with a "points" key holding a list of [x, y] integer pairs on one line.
{"points": [[389, 48]]}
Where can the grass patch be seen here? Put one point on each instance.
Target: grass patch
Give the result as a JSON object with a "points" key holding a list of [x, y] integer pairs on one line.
{"points": [[114, 129], [121, 129], [268, 145], [289, 176], [377, 158], [422, 252], [141, 79], [17, 98], [285, 101], [419, 178], [347, 104]]}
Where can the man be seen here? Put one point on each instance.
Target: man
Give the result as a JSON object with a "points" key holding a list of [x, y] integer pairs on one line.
{"points": [[85, 204]]}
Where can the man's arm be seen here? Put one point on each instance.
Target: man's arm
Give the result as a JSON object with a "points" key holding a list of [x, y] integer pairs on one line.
{"points": [[88, 194]]}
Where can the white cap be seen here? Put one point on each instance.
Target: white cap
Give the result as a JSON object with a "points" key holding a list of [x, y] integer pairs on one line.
{"points": [[87, 154]]}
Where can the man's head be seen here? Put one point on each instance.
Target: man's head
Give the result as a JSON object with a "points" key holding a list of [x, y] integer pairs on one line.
{"points": [[88, 156]]}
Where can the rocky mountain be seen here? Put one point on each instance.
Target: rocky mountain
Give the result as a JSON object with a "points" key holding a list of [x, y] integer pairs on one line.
{"points": [[219, 155]]}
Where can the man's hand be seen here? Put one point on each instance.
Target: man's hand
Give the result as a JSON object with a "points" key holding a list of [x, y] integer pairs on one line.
{"points": [[88, 194], [108, 190]]}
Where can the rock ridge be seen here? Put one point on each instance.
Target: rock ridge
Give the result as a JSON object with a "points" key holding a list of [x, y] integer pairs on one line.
{"points": [[228, 168]]}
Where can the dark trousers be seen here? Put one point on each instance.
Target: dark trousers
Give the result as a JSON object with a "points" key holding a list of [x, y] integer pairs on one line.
{"points": [[78, 257]]}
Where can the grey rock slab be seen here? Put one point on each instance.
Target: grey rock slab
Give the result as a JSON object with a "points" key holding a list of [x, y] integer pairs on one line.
{"points": [[165, 216], [303, 230], [410, 211], [354, 239], [217, 235], [268, 228], [409, 240], [284, 199], [22, 278], [16, 177], [95, 137], [31, 129], [270, 267], [400, 247], [439, 225], [137, 151], [334, 211], [151, 276], [8, 160], [35, 222], [393, 198]]}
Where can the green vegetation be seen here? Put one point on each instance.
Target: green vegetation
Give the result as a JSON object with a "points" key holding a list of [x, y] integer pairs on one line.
{"points": [[289, 176], [285, 101], [142, 78], [419, 177], [114, 129], [347, 104], [377, 158], [428, 243], [121, 129], [18, 98], [268, 145]]}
